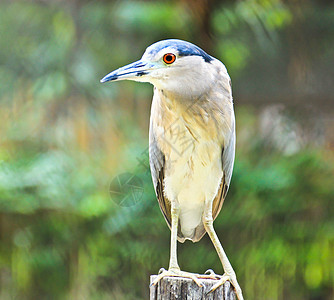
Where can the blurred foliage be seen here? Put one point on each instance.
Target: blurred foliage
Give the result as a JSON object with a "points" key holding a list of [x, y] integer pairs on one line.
{"points": [[64, 137]]}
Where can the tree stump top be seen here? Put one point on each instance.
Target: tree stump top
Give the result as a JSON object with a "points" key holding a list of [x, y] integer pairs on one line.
{"points": [[180, 288]]}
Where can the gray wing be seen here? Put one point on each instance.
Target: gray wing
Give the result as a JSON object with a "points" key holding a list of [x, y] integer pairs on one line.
{"points": [[228, 153], [157, 164], [228, 150]]}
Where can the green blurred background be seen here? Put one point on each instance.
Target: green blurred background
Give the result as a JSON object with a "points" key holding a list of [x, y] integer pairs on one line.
{"points": [[65, 137]]}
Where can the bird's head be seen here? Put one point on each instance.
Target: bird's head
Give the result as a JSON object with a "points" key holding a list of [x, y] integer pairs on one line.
{"points": [[172, 65]]}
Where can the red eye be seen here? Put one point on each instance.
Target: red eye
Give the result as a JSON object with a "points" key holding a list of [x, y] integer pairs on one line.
{"points": [[169, 58]]}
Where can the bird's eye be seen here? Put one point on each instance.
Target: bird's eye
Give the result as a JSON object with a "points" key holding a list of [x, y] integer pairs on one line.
{"points": [[169, 58]]}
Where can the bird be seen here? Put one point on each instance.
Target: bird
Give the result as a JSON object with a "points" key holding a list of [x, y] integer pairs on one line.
{"points": [[191, 143]]}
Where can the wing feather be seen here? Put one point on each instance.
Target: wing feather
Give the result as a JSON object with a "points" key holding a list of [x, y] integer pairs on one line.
{"points": [[157, 164]]}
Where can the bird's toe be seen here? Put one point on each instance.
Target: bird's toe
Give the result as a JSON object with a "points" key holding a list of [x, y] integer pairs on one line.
{"points": [[177, 273], [210, 274], [233, 280]]}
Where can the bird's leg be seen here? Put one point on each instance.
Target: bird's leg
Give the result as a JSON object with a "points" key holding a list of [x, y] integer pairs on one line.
{"points": [[174, 269], [175, 212], [229, 272]]}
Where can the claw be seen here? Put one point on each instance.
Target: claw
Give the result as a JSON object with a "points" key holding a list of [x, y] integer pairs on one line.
{"points": [[209, 274], [162, 273], [233, 280], [222, 280]]}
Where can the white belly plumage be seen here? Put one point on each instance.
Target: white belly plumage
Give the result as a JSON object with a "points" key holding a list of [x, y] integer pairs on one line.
{"points": [[193, 173]]}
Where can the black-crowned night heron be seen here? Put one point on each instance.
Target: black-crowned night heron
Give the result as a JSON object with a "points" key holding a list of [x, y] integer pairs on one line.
{"points": [[192, 142]]}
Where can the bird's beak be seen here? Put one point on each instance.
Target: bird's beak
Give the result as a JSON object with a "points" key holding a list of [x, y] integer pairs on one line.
{"points": [[133, 71]]}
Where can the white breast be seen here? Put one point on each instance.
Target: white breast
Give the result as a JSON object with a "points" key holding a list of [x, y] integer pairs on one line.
{"points": [[193, 170]]}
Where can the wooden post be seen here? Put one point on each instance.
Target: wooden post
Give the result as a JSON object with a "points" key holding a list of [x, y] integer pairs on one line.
{"points": [[180, 288]]}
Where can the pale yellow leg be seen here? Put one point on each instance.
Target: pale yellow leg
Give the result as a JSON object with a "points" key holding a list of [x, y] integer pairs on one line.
{"points": [[175, 212], [229, 272], [174, 269]]}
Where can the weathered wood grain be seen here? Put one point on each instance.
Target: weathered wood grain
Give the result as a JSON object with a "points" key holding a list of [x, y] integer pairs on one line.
{"points": [[180, 288]]}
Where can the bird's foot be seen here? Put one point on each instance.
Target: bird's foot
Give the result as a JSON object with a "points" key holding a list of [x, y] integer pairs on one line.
{"points": [[222, 279], [209, 274], [177, 273]]}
